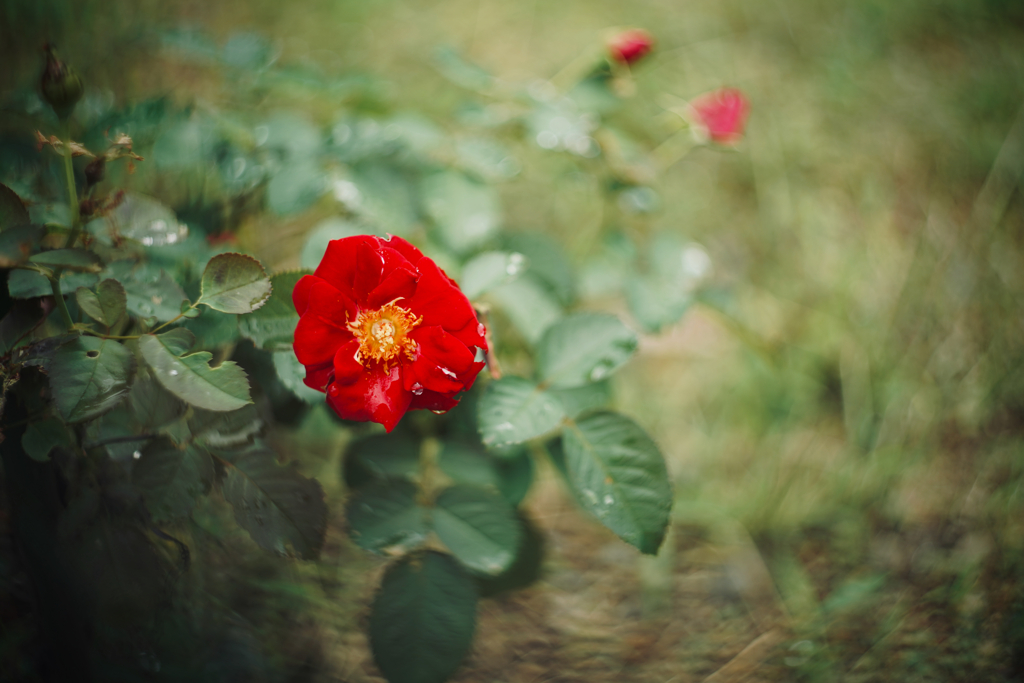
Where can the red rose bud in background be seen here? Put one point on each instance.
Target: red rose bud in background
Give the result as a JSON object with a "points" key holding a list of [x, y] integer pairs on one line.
{"points": [[630, 46], [720, 115], [383, 330]]}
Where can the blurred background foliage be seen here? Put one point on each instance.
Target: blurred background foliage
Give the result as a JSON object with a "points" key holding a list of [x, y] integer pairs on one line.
{"points": [[843, 408]]}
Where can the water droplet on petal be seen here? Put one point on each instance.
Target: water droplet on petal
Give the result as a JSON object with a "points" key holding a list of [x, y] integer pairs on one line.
{"points": [[447, 372], [333, 390], [417, 389], [481, 330]]}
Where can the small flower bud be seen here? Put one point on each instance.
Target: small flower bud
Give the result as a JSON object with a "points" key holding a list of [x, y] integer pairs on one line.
{"points": [[95, 170], [61, 86], [630, 46], [720, 115]]}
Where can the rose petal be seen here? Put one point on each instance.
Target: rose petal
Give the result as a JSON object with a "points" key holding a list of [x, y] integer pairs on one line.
{"points": [[322, 329], [442, 361], [346, 368], [300, 293], [345, 262], [402, 247], [374, 396], [399, 284], [439, 301], [319, 376], [431, 400]]}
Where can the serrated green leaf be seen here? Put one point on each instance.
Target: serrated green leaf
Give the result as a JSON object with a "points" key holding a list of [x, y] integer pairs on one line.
{"points": [[150, 291], [272, 327], [212, 329], [191, 378], [582, 348], [234, 283], [80, 260], [478, 526], [89, 376], [529, 305], [16, 243], [43, 436], [106, 305], [617, 472], [513, 410], [466, 213], [291, 373], [423, 618], [153, 406], [172, 479], [384, 516], [490, 269], [28, 284], [12, 210], [225, 430], [275, 504]]}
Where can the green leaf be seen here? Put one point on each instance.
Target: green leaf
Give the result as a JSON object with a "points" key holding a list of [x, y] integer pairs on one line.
{"points": [[527, 566], [385, 516], [291, 373], [466, 213], [12, 210], [153, 406], [272, 327], [234, 283], [579, 400], [191, 378], [529, 305], [381, 456], [423, 618], [186, 145], [225, 430], [618, 473], [142, 219], [247, 50], [296, 187], [547, 261], [16, 243], [488, 270], [655, 304], [172, 479], [276, 504], [513, 410], [106, 305], [582, 348], [383, 197], [21, 319], [150, 291], [43, 436], [89, 377], [511, 473], [28, 284], [478, 526]]}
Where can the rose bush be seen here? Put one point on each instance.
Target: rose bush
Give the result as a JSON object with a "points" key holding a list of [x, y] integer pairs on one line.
{"points": [[383, 330]]}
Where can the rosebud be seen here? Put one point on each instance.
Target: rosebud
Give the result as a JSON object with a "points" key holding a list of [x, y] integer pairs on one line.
{"points": [[61, 86], [720, 115], [630, 46]]}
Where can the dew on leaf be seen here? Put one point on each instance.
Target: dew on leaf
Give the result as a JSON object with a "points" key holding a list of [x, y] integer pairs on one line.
{"points": [[137, 454]]}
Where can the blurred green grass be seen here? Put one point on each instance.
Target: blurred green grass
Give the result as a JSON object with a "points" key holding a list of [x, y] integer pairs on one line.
{"points": [[861, 390]]}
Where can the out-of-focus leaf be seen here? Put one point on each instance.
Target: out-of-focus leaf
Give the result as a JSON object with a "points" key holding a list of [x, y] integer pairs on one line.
{"points": [[490, 269], [513, 410], [80, 260], [384, 516], [186, 145], [153, 406], [191, 378], [295, 187], [385, 199], [381, 456], [89, 377], [188, 43], [582, 348], [142, 219], [28, 284], [466, 213], [487, 159], [16, 243], [247, 50], [456, 69], [275, 504], [617, 472], [106, 305], [529, 305], [12, 210], [653, 304], [150, 291], [234, 283], [291, 373], [225, 429], [19, 321], [478, 526], [546, 261], [510, 474], [171, 479], [423, 618], [525, 569], [579, 400], [43, 436], [272, 327], [321, 235], [291, 135]]}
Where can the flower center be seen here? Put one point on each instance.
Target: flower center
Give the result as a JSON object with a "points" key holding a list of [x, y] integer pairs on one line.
{"points": [[383, 334]]}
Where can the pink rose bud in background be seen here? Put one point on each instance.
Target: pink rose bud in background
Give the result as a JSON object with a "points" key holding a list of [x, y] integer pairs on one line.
{"points": [[721, 114], [630, 46]]}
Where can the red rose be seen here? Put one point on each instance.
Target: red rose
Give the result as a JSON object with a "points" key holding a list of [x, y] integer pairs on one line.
{"points": [[630, 46], [383, 330], [721, 114]]}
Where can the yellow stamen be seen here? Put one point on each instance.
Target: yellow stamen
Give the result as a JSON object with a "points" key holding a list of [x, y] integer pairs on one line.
{"points": [[383, 335]]}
